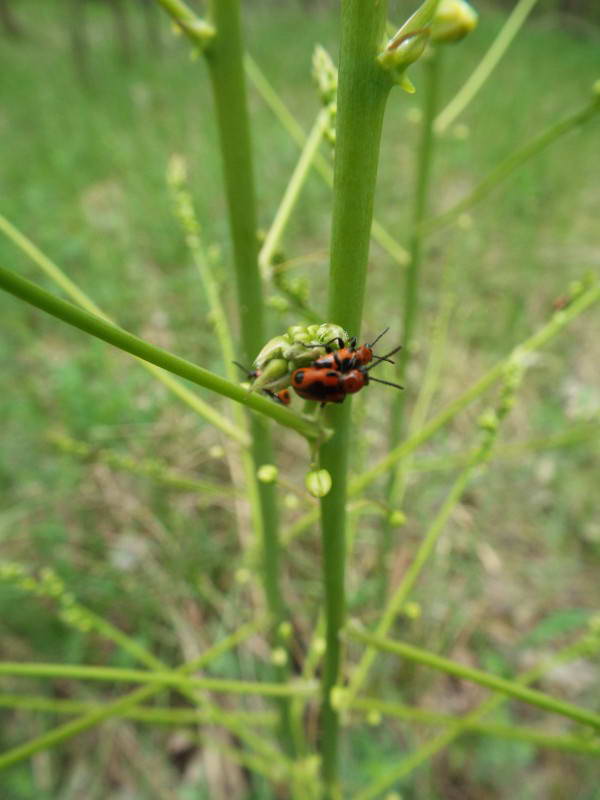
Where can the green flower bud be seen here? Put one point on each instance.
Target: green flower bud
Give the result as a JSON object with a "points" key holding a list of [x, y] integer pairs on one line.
{"points": [[412, 610], [453, 20], [296, 330], [274, 348], [285, 630], [373, 717], [318, 482], [319, 646], [397, 518], [278, 303], [488, 421], [403, 50], [278, 657], [291, 502], [271, 372], [327, 332], [325, 74], [267, 473], [338, 697]]}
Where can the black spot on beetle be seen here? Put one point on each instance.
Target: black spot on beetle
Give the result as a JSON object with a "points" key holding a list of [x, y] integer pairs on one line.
{"points": [[299, 377], [332, 374]]}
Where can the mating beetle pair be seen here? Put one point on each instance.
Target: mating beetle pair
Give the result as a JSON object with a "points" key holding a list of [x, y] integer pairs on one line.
{"points": [[327, 378], [339, 373]]}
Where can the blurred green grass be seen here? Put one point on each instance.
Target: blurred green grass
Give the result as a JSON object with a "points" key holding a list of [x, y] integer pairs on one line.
{"points": [[83, 174]]}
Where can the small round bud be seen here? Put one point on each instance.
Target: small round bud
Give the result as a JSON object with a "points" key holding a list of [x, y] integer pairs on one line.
{"points": [[373, 717], [412, 610], [285, 630], [291, 502], [278, 303], [243, 575], [453, 20], [488, 421], [397, 518], [267, 473], [461, 132], [319, 646], [338, 697], [318, 482], [278, 657]]}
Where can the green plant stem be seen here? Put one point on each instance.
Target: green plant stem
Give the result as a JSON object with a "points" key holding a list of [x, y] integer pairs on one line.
{"points": [[485, 67], [117, 707], [558, 322], [152, 715], [507, 687], [224, 58], [362, 95], [578, 434], [67, 312], [199, 31], [506, 167], [292, 192], [149, 468], [513, 732], [383, 238], [410, 298], [170, 678], [54, 272], [582, 647]]}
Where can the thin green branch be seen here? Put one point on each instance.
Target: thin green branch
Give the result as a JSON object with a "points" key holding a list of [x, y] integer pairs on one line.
{"points": [[119, 674], [155, 715], [485, 67], [511, 163], [572, 436], [510, 688], [74, 292], [150, 468], [538, 738], [584, 646], [292, 192], [67, 312], [198, 31], [60, 734], [383, 238]]}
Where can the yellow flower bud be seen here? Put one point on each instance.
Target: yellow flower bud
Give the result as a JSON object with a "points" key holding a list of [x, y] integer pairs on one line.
{"points": [[453, 20]]}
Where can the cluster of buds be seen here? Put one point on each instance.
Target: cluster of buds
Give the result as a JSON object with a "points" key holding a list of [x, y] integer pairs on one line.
{"points": [[298, 347], [326, 76], [436, 21]]}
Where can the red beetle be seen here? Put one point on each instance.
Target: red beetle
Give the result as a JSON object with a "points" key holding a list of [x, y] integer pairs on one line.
{"points": [[331, 385], [348, 358]]}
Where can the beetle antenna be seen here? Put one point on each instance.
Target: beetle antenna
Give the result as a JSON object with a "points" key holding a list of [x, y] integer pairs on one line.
{"points": [[384, 358], [383, 332], [387, 383], [244, 369]]}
